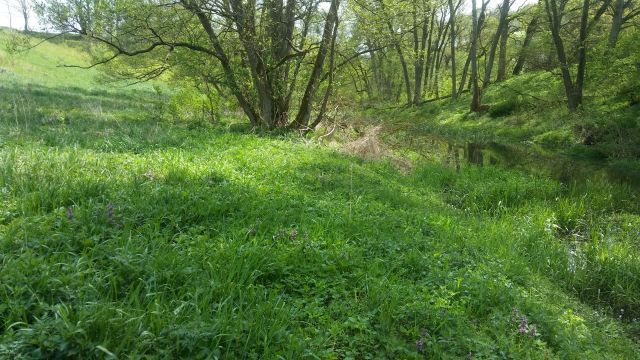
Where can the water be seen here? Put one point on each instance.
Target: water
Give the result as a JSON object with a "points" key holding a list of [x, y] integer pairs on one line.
{"points": [[530, 158]]}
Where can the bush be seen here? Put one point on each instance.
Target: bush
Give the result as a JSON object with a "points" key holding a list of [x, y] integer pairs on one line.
{"points": [[554, 138], [190, 105], [504, 108]]}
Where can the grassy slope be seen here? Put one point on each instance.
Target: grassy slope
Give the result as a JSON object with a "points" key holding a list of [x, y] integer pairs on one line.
{"points": [[120, 234]]}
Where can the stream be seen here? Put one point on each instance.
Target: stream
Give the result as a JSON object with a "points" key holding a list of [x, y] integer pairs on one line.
{"points": [[529, 158]]}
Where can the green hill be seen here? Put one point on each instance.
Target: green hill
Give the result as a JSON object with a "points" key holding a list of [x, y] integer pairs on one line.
{"points": [[126, 234]]}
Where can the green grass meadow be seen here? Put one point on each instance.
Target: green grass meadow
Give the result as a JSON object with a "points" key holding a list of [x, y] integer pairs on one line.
{"points": [[124, 234]]}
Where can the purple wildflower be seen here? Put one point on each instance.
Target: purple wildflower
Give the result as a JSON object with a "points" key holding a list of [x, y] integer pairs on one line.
{"points": [[533, 330], [70, 213], [420, 344], [424, 332], [470, 355], [522, 329]]}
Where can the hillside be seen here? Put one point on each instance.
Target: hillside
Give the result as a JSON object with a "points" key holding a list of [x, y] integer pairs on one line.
{"points": [[126, 233], [528, 114]]}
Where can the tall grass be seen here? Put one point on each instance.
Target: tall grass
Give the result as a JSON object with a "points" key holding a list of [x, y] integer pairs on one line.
{"points": [[126, 235]]}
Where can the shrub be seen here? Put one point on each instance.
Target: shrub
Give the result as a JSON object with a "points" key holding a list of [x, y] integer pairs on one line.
{"points": [[189, 105]]}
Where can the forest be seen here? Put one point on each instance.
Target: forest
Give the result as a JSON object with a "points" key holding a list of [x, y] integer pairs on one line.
{"points": [[319, 179]]}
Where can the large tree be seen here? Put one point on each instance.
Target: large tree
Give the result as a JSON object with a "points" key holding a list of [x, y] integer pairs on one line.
{"points": [[473, 56], [268, 54], [555, 12]]}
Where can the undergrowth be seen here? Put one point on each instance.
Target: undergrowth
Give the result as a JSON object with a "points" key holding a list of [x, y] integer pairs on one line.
{"points": [[126, 235]]}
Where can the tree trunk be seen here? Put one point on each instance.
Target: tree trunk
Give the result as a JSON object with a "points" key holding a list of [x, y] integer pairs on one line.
{"points": [[582, 52], [475, 101], [403, 62], [554, 18], [327, 94], [420, 59], [504, 12], [452, 15], [438, 63], [226, 64], [465, 69], [25, 15], [502, 57], [443, 28], [405, 73], [531, 30], [304, 113], [616, 24], [430, 48]]}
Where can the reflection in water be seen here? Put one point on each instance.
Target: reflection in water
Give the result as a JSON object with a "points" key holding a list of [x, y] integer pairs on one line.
{"points": [[474, 154], [530, 159]]}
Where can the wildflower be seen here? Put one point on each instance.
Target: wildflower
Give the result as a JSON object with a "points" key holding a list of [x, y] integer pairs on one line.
{"points": [[70, 213], [424, 332], [533, 330], [420, 344], [470, 356], [294, 234], [522, 329]]}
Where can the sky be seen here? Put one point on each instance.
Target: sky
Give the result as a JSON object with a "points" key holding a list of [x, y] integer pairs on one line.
{"points": [[11, 15]]}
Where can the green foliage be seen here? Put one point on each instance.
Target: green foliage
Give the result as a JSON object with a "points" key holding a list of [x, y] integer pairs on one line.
{"points": [[503, 108], [554, 138], [190, 105], [124, 236]]}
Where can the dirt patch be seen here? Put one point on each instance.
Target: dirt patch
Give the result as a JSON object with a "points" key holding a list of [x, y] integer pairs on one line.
{"points": [[369, 146]]}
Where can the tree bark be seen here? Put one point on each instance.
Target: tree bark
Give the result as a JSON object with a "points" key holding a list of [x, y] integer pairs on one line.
{"points": [[327, 94], [528, 36], [616, 23], [554, 17], [465, 69], [502, 56], [419, 55], [582, 53], [430, 47], [452, 25], [225, 62], [475, 101], [502, 24], [443, 28], [302, 118]]}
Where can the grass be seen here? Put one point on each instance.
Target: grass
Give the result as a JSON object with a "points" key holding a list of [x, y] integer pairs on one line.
{"points": [[126, 236]]}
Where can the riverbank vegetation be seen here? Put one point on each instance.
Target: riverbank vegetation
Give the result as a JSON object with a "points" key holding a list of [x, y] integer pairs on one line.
{"points": [[333, 180]]}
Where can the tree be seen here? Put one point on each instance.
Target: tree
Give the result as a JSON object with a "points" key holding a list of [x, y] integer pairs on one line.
{"points": [[420, 32], [80, 14], [530, 31], [24, 7], [257, 48], [396, 39], [480, 24], [501, 33], [452, 43], [475, 100], [573, 90], [623, 11]]}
